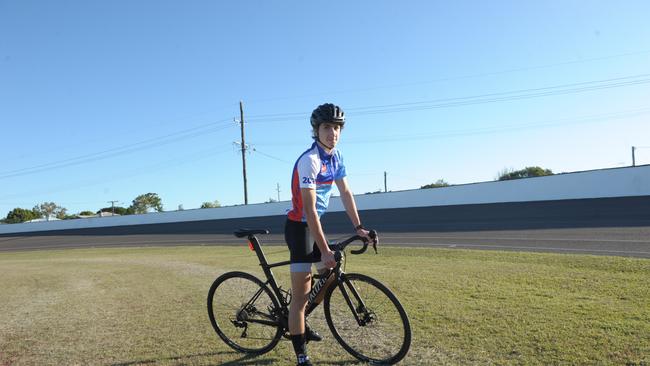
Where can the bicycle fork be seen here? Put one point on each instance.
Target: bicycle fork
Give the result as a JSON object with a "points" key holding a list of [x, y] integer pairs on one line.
{"points": [[362, 315]]}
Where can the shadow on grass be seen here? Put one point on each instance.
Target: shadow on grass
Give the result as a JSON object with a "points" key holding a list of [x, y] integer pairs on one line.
{"points": [[342, 363], [245, 360]]}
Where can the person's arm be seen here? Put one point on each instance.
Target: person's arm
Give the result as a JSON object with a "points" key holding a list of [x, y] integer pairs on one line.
{"points": [[350, 205], [315, 228]]}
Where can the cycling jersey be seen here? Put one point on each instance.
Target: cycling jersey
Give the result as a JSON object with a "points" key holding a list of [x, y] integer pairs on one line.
{"points": [[315, 169]]}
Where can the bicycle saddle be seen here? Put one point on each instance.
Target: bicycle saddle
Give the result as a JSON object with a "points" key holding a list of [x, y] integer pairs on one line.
{"points": [[247, 232]]}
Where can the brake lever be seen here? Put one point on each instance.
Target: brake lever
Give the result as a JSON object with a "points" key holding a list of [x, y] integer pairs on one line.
{"points": [[373, 236]]}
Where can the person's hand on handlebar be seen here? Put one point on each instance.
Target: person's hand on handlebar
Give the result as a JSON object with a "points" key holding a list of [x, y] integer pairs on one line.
{"points": [[328, 259], [365, 234]]}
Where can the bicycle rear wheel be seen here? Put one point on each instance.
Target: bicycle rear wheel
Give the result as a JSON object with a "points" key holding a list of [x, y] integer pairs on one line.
{"points": [[244, 313], [368, 320]]}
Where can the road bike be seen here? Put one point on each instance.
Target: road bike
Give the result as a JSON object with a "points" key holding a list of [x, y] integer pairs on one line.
{"points": [[365, 317]]}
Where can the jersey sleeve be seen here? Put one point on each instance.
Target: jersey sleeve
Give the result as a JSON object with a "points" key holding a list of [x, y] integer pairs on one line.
{"points": [[340, 171], [307, 171]]}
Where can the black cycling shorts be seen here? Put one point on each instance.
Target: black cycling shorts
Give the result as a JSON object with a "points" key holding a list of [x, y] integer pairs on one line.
{"points": [[302, 249]]}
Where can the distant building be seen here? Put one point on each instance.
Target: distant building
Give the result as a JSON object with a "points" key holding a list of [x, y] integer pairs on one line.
{"points": [[43, 219]]}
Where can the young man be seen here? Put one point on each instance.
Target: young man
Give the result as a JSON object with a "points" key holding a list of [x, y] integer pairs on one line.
{"points": [[311, 188]]}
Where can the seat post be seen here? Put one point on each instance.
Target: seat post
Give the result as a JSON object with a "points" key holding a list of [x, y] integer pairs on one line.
{"points": [[258, 250], [265, 265]]}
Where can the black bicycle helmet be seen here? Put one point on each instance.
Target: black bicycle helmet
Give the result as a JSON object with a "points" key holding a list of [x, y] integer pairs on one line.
{"points": [[329, 113]]}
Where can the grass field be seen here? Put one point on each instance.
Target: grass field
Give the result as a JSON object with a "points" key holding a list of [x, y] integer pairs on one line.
{"points": [[146, 306]]}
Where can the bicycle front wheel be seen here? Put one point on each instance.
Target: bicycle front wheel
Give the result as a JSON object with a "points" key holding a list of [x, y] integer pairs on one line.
{"points": [[368, 320], [244, 313]]}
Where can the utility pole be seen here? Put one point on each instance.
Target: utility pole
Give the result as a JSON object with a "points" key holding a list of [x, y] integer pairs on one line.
{"points": [[278, 189], [385, 182], [243, 150], [633, 160], [112, 207]]}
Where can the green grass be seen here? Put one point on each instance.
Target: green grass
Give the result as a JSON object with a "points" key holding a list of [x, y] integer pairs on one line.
{"points": [[144, 306]]}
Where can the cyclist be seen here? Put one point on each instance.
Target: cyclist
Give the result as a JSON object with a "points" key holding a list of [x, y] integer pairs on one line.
{"points": [[311, 187]]}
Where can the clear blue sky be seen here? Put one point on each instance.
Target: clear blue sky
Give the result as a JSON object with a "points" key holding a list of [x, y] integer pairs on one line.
{"points": [[106, 100]]}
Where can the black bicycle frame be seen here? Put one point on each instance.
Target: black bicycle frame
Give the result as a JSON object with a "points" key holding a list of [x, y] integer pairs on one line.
{"points": [[313, 293]]}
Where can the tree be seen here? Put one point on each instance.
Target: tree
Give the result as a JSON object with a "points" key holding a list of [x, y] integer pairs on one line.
{"points": [[527, 172], [49, 209], [213, 204], [118, 210], [62, 214], [437, 184], [144, 202], [86, 213], [20, 215], [377, 191], [68, 217]]}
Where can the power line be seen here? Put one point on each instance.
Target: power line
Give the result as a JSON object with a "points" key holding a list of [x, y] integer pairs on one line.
{"points": [[507, 96], [499, 129], [164, 165], [452, 78], [270, 156], [126, 149], [155, 142], [374, 109], [563, 88], [488, 130], [501, 99]]}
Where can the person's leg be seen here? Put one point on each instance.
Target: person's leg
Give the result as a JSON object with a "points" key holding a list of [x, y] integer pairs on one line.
{"points": [[301, 250], [300, 282]]}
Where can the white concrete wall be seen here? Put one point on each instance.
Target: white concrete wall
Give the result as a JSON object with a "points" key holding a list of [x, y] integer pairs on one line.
{"points": [[617, 182]]}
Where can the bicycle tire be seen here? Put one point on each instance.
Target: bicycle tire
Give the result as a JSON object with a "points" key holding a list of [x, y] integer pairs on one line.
{"points": [[385, 337], [244, 313]]}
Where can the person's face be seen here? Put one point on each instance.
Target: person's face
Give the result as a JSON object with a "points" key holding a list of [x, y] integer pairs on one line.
{"points": [[329, 133]]}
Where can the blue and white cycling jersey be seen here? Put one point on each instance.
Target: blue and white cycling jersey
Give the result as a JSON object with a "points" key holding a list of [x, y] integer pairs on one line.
{"points": [[315, 169]]}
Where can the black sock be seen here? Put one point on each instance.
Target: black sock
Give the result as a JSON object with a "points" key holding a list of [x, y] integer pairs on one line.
{"points": [[299, 345]]}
